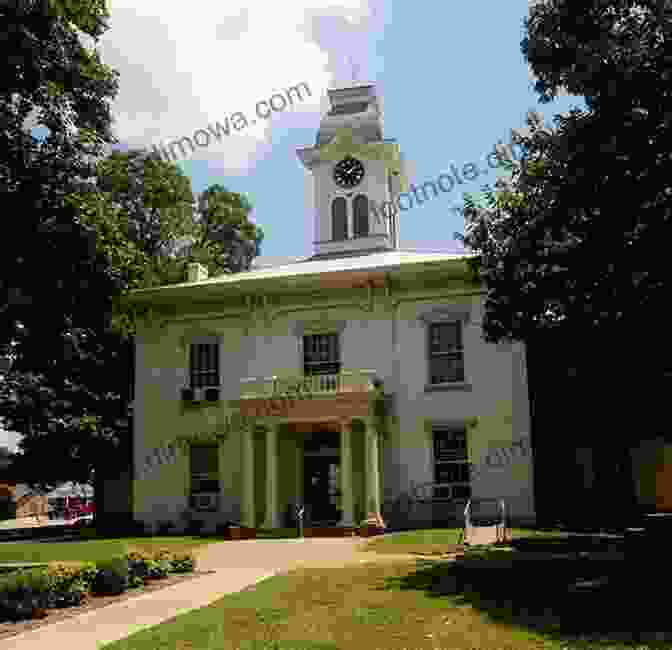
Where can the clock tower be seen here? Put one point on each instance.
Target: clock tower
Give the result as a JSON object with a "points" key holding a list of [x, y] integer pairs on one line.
{"points": [[357, 175]]}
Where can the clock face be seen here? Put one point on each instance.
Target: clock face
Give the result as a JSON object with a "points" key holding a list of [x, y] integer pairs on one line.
{"points": [[348, 173]]}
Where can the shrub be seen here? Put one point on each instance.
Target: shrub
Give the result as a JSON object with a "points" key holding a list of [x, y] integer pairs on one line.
{"points": [[112, 576], [88, 574], [138, 567], [65, 575], [162, 554], [24, 592], [158, 569], [183, 563], [74, 595]]}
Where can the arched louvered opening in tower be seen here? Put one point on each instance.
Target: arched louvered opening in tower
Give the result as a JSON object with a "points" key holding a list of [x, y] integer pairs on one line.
{"points": [[339, 219], [361, 215]]}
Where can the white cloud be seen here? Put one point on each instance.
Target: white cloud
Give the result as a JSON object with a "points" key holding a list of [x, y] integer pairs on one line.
{"points": [[184, 66]]}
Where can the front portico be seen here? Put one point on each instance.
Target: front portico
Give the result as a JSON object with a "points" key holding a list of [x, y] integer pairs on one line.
{"points": [[329, 465]]}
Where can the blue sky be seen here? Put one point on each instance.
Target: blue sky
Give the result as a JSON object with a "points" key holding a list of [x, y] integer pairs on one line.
{"points": [[451, 75], [452, 78]]}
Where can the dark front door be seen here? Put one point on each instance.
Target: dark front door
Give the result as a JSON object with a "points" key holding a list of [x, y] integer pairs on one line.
{"points": [[320, 490]]}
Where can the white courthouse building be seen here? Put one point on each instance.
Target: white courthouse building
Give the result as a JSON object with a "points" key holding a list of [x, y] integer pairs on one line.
{"points": [[398, 391]]}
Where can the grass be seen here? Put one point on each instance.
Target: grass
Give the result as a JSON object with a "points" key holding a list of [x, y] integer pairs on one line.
{"points": [[437, 540], [94, 549], [423, 604]]}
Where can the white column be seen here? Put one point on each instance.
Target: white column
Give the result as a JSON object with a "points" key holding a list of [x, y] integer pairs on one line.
{"points": [[346, 474], [272, 519], [372, 475], [247, 448]]}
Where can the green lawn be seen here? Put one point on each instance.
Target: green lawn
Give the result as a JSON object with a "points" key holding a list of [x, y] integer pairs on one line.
{"points": [[437, 540], [424, 605], [94, 549]]}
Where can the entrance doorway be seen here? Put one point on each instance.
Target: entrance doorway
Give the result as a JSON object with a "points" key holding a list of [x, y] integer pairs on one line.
{"points": [[321, 483], [321, 476]]}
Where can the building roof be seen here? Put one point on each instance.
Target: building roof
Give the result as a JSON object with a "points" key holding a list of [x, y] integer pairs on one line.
{"points": [[315, 265]]}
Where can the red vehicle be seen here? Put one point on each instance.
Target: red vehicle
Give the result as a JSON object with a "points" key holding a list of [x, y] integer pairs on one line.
{"points": [[73, 507]]}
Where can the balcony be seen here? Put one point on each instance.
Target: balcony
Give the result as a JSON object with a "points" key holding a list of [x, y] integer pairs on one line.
{"points": [[343, 394], [347, 381]]}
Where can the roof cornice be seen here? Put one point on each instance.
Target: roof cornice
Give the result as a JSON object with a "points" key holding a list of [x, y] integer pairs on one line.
{"points": [[263, 281]]}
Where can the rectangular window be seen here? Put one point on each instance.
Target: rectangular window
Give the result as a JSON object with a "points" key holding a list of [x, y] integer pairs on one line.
{"points": [[451, 464], [204, 365], [204, 468], [321, 354], [446, 355]]}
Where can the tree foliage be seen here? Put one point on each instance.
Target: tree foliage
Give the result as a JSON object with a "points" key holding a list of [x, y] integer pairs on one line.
{"points": [[49, 269], [148, 229], [53, 281], [86, 229], [575, 243]]}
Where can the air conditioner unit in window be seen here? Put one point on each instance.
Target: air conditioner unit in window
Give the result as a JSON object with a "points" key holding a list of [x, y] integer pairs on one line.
{"points": [[205, 501]]}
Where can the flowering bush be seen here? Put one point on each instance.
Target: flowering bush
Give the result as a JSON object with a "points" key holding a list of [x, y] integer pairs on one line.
{"points": [[112, 577], [71, 582], [183, 563], [138, 567], [28, 593], [158, 569]]}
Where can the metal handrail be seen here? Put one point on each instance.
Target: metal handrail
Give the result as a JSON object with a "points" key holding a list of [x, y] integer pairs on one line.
{"points": [[467, 512]]}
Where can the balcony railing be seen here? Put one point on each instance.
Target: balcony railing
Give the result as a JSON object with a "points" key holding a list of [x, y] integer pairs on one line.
{"points": [[346, 381]]}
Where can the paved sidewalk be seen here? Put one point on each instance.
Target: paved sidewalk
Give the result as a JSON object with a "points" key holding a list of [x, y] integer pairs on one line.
{"points": [[237, 565]]}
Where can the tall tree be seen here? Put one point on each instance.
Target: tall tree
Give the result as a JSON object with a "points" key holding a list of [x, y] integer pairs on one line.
{"points": [[143, 212], [572, 251], [228, 241], [51, 275], [49, 271], [595, 263]]}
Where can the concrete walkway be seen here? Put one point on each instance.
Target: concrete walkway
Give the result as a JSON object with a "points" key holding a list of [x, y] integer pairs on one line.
{"points": [[236, 564]]}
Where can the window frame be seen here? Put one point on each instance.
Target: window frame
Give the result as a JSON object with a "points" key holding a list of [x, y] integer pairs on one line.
{"points": [[201, 365], [212, 476], [341, 200], [358, 220], [461, 459], [457, 353], [337, 362]]}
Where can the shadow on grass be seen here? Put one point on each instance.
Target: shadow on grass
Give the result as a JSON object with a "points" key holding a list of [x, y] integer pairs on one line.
{"points": [[553, 588]]}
